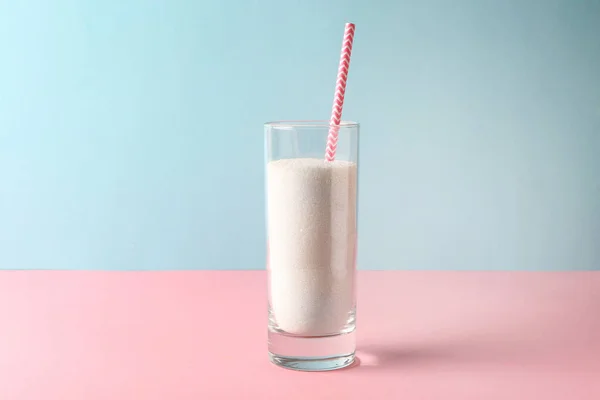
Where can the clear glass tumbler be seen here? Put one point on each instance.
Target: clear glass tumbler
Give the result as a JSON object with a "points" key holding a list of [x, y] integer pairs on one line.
{"points": [[311, 208]]}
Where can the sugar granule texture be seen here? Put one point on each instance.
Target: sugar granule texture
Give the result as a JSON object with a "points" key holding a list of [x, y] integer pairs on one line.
{"points": [[311, 207]]}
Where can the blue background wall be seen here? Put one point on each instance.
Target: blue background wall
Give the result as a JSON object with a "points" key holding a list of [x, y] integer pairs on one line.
{"points": [[131, 131]]}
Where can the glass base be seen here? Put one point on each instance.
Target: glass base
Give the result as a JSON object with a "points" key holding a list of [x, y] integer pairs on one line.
{"points": [[312, 353], [312, 364]]}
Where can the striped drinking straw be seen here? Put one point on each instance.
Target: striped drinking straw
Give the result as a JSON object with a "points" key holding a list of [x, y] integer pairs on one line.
{"points": [[340, 90]]}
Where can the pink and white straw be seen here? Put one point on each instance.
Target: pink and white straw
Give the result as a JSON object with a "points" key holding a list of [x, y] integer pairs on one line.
{"points": [[340, 90]]}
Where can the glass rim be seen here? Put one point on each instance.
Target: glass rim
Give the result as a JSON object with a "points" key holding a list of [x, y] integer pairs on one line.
{"points": [[314, 123]]}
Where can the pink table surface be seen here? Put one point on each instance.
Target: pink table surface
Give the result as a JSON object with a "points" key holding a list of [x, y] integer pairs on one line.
{"points": [[202, 335]]}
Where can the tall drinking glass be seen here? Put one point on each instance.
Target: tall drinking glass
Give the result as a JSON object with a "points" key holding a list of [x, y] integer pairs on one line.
{"points": [[311, 208]]}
